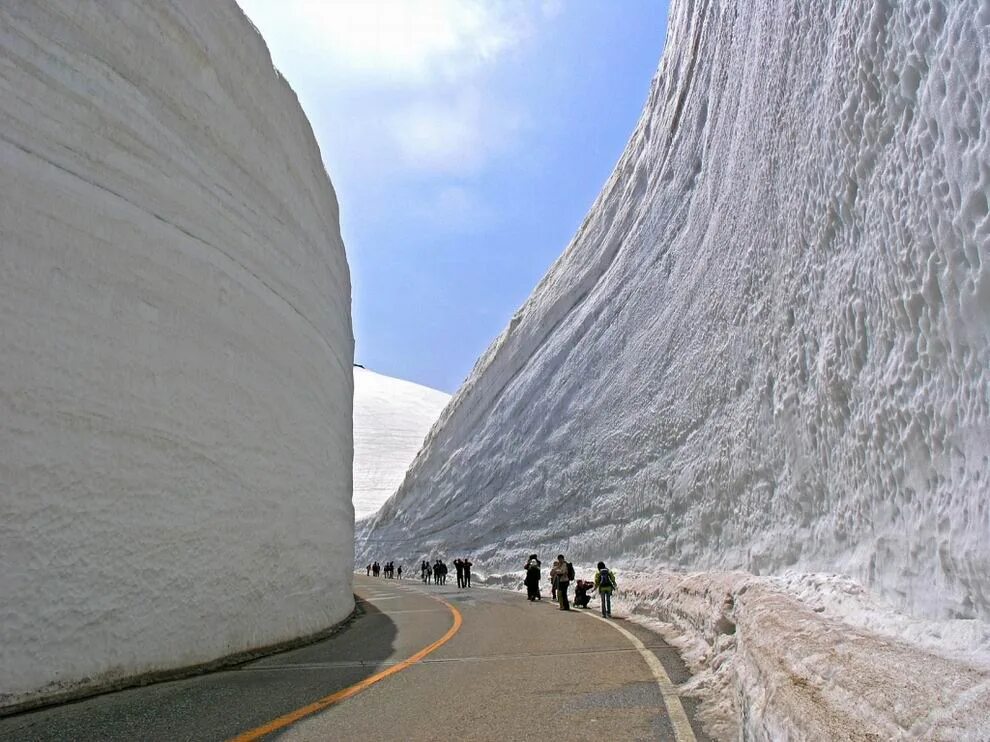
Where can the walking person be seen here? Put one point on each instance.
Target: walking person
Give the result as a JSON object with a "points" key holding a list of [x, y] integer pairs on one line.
{"points": [[562, 571], [368, 568], [400, 572], [466, 564], [532, 580], [458, 566], [424, 572], [605, 584]]}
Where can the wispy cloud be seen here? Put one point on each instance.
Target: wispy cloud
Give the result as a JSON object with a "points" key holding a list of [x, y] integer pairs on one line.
{"points": [[397, 42], [454, 136], [408, 72]]}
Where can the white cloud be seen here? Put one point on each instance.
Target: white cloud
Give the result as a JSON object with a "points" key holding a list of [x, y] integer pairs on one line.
{"points": [[395, 41], [456, 136], [405, 74]]}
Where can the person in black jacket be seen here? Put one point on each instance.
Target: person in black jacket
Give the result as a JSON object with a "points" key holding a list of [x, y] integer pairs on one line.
{"points": [[532, 580]]}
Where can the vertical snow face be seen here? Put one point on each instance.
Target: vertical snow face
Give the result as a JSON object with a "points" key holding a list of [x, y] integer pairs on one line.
{"points": [[175, 380], [768, 344], [391, 419]]}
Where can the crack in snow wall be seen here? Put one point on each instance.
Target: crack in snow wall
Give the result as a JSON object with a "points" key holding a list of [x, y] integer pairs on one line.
{"points": [[767, 345], [175, 384]]}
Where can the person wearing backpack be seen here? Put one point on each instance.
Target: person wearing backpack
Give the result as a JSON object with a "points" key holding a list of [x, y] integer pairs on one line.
{"points": [[605, 584]]}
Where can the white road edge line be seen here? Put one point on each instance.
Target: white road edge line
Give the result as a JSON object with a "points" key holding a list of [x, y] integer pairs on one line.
{"points": [[668, 692]]}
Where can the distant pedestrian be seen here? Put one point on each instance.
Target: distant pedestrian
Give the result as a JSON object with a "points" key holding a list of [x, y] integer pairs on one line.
{"points": [[467, 564], [424, 572], [369, 570], [459, 568], [443, 573], [605, 583], [400, 572], [563, 572], [532, 580], [436, 572]]}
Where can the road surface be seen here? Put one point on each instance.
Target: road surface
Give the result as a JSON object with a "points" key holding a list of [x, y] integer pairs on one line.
{"points": [[486, 665]]}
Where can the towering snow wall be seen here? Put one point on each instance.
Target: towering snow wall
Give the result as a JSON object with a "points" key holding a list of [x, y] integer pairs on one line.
{"points": [[175, 378], [768, 344], [391, 419]]}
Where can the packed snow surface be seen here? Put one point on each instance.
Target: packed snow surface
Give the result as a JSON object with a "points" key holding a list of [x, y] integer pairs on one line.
{"points": [[391, 419], [767, 346], [175, 382]]}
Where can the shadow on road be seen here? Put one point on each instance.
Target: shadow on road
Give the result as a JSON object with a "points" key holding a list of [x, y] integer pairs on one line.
{"points": [[222, 704]]}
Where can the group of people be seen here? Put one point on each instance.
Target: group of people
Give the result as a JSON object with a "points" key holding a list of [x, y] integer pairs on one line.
{"points": [[387, 570], [561, 576], [438, 572]]}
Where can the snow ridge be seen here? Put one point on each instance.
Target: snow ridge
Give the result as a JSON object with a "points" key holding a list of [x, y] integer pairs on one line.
{"points": [[176, 388], [391, 419], [767, 346]]}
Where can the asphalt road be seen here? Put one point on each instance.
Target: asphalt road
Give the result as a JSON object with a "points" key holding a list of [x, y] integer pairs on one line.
{"points": [[513, 670]]}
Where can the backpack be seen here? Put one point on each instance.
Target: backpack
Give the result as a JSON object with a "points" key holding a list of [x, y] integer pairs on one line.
{"points": [[570, 571], [604, 579]]}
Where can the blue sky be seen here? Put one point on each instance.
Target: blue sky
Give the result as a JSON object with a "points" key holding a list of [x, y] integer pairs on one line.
{"points": [[466, 140]]}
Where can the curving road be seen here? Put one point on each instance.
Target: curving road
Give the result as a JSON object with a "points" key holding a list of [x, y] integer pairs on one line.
{"points": [[417, 663]]}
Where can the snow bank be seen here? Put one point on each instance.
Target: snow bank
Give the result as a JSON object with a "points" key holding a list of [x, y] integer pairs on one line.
{"points": [[807, 656], [767, 346], [391, 419], [787, 659], [175, 384]]}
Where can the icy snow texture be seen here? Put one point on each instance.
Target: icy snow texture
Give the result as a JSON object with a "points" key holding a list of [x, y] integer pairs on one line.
{"points": [[175, 383], [796, 670], [391, 419], [767, 345]]}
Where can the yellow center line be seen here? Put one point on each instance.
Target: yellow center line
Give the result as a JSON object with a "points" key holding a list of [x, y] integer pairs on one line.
{"points": [[293, 716]]}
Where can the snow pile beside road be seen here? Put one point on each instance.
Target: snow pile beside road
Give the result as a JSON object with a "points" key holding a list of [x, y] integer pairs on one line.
{"points": [[391, 419], [813, 657], [175, 377], [807, 656]]}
